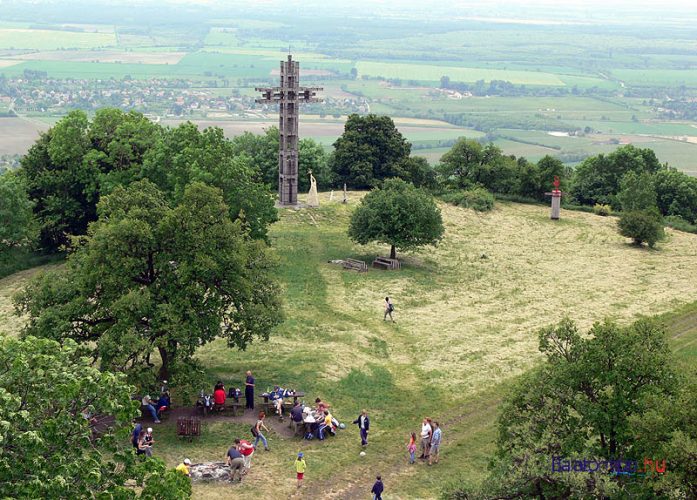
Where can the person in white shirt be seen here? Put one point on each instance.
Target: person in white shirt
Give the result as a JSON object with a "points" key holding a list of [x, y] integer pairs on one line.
{"points": [[426, 433]]}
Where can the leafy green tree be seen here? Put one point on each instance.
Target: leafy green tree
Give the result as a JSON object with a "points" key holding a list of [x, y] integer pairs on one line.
{"points": [[185, 154], [597, 179], [312, 156], [263, 151], [149, 278], [460, 167], [17, 224], [581, 403], [399, 215], [419, 172], [549, 167], [52, 447], [676, 194], [643, 226], [637, 192], [369, 151], [59, 183]]}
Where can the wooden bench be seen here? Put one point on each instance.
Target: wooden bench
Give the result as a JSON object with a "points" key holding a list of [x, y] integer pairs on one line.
{"points": [[355, 265], [385, 263], [188, 427]]}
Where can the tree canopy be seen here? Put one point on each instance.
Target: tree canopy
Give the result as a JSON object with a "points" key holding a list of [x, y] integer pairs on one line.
{"points": [[597, 179], [584, 402], [17, 223], [51, 448], [153, 278], [369, 151], [399, 215]]}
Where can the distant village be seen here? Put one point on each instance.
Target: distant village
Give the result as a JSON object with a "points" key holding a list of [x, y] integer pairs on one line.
{"points": [[157, 98]]}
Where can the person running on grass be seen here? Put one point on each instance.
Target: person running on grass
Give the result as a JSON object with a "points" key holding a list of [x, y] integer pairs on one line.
{"points": [[378, 488], [388, 309], [300, 468]]}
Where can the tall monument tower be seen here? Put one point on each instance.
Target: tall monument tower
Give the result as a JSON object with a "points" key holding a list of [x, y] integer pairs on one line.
{"points": [[289, 95]]}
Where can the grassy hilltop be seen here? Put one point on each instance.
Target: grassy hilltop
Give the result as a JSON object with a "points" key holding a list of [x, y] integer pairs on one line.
{"points": [[466, 316]]}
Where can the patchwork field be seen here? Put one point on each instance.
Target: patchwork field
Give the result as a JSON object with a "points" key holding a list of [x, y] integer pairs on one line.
{"points": [[17, 135], [466, 316]]}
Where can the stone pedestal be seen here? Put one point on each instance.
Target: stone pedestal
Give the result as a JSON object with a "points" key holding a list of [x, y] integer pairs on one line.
{"points": [[556, 204]]}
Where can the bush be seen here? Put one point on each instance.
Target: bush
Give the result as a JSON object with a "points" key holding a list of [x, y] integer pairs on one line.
{"points": [[478, 199], [642, 226], [602, 210], [677, 222]]}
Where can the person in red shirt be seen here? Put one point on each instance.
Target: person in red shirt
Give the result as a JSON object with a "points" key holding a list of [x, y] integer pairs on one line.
{"points": [[247, 450], [219, 394]]}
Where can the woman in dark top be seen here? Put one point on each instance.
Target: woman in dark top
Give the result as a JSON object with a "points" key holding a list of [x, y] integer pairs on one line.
{"points": [[249, 391]]}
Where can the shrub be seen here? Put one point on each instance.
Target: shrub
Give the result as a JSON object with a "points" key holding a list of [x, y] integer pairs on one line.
{"points": [[478, 199], [602, 210], [642, 226], [677, 222]]}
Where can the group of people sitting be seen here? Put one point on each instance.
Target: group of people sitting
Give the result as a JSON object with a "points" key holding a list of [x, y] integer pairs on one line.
{"points": [[316, 422]]}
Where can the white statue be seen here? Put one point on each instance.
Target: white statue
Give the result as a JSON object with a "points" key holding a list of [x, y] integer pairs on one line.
{"points": [[331, 195], [312, 197]]}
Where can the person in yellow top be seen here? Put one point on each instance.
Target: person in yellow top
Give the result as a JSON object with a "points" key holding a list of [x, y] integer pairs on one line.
{"points": [[184, 467], [300, 467]]}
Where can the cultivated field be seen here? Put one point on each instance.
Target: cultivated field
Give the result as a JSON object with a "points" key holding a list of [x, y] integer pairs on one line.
{"points": [[17, 135], [467, 314]]}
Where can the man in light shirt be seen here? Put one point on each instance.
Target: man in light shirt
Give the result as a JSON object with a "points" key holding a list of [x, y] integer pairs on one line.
{"points": [[435, 444], [426, 433]]}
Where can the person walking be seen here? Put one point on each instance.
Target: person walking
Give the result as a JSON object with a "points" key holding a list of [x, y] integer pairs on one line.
{"points": [[378, 488], [135, 435], [257, 431], [249, 391], [236, 462], [411, 448], [363, 423], [426, 433], [435, 444], [300, 468], [388, 309]]}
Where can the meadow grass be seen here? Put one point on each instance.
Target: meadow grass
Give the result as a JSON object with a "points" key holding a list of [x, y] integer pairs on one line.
{"points": [[467, 313]]}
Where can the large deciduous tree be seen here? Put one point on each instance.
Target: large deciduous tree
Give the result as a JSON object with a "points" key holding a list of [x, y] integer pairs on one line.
{"points": [[63, 425], [186, 154], [399, 215], [17, 224], [583, 403], [369, 151], [152, 278], [597, 179]]}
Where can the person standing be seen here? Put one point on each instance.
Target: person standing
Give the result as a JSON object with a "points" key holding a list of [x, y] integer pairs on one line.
{"points": [[435, 444], [363, 423], [259, 436], [148, 441], [378, 488], [236, 462], [388, 309], [426, 433], [135, 435], [411, 448], [249, 391], [247, 450], [300, 468]]}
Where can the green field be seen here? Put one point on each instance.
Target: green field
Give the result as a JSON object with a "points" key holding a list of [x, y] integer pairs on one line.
{"points": [[465, 327], [19, 38], [432, 72]]}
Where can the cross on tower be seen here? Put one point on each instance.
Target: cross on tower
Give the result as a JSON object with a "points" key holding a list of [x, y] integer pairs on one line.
{"points": [[289, 95]]}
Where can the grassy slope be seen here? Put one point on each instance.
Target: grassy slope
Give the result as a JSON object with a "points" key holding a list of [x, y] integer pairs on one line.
{"points": [[465, 326]]}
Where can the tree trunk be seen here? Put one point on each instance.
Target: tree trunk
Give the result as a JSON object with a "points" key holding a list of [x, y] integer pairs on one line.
{"points": [[164, 368], [393, 253]]}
